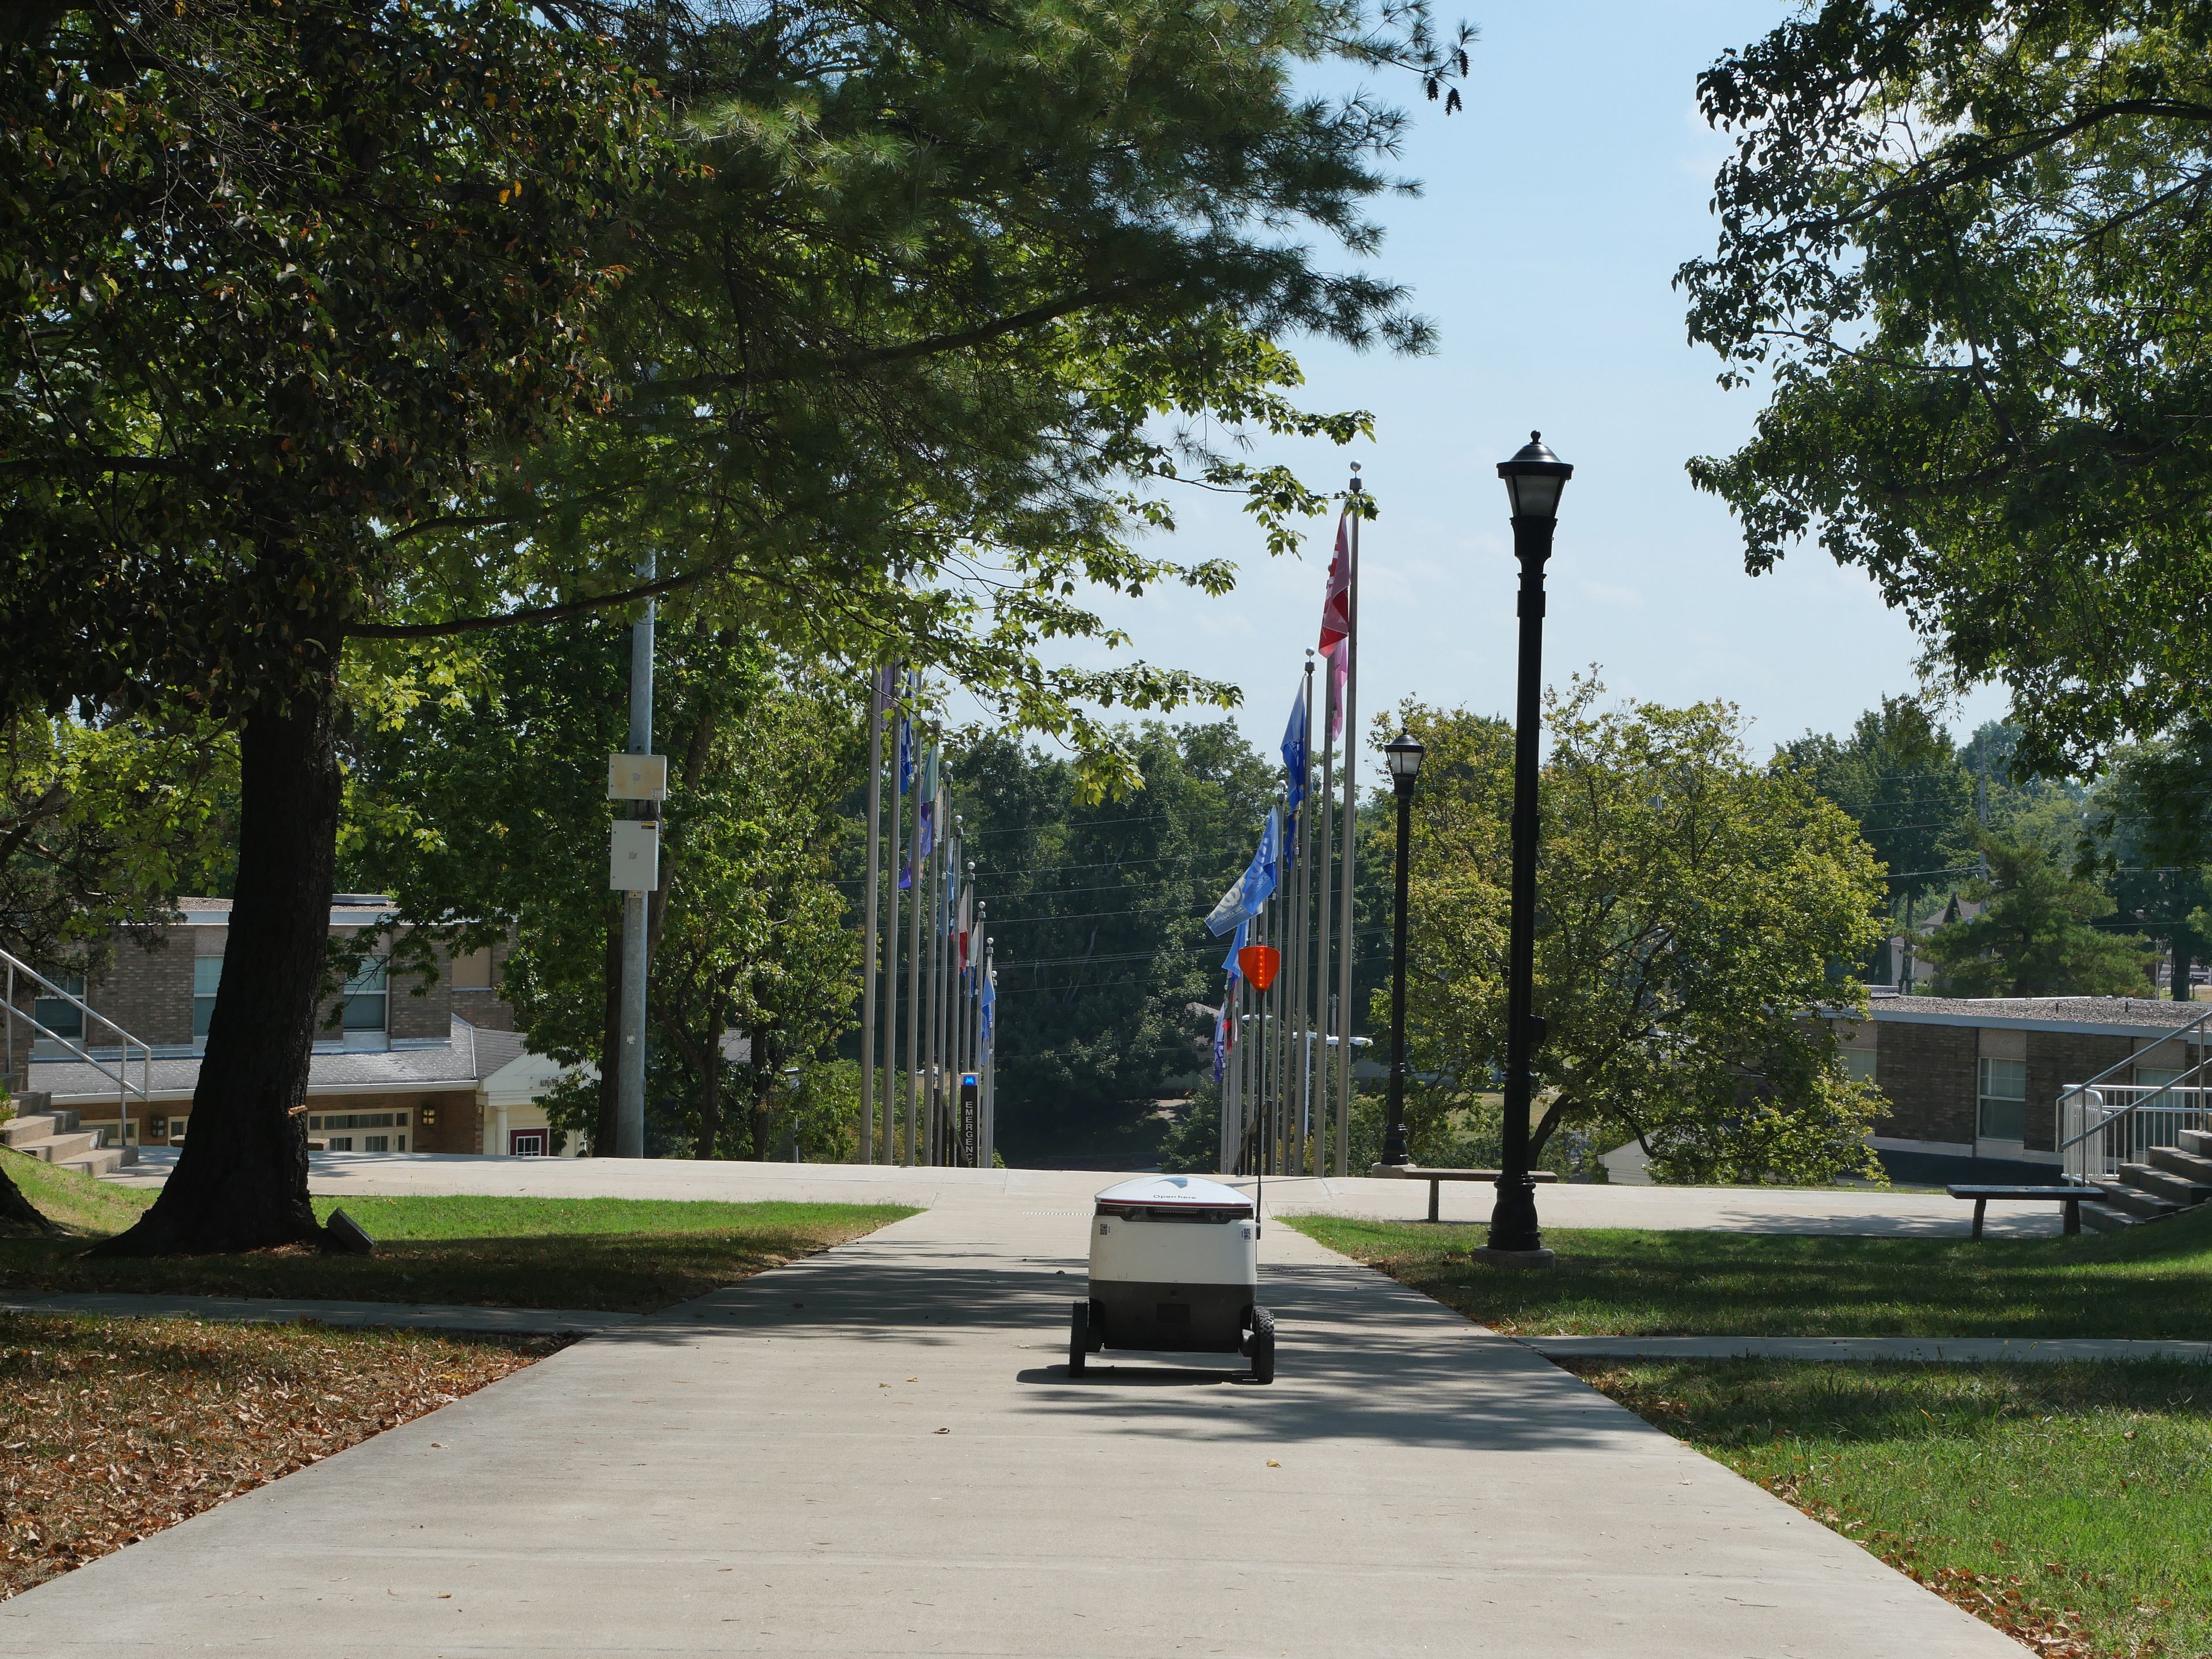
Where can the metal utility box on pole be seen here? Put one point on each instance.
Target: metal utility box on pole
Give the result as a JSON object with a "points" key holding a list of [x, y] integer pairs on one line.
{"points": [[641, 777]]}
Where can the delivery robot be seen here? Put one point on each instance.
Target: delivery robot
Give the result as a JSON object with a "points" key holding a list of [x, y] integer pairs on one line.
{"points": [[1174, 1267]]}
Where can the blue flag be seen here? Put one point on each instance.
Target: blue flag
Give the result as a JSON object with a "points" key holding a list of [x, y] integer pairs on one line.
{"points": [[1230, 965], [1242, 901], [926, 830], [1221, 1043], [1294, 751], [990, 1005]]}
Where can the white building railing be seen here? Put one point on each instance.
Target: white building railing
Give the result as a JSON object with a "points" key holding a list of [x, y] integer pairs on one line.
{"points": [[130, 1047], [2102, 1126]]}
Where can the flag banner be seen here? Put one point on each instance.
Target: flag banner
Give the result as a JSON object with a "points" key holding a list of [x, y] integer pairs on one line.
{"points": [[905, 754], [929, 772], [905, 874], [926, 830], [1220, 1041], [887, 688], [990, 1006], [1229, 962], [967, 923], [1336, 623], [1294, 751], [1252, 889]]}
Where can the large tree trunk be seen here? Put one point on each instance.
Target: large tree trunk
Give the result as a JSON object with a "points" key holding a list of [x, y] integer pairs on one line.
{"points": [[242, 1182], [17, 1216]]}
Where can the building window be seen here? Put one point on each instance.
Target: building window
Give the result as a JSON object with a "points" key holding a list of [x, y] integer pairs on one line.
{"points": [[472, 970], [58, 1014], [207, 976], [525, 1143], [2003, 1105], [366, 1002], [1858, 1065]]}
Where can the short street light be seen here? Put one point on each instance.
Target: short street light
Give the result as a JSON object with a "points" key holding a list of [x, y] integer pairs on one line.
{"points": [[1534, 480], [1403, 754]]}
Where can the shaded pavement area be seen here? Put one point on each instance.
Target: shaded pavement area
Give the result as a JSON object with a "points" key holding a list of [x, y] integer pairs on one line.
{"points": [[878, 1450]]}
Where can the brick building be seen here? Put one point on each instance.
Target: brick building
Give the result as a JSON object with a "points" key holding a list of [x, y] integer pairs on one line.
{"points": [[403, 1062], [1974, 1082]]}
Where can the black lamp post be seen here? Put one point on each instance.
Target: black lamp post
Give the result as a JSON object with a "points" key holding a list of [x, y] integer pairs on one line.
{"points": [[1534, 480], [1403, 754]]}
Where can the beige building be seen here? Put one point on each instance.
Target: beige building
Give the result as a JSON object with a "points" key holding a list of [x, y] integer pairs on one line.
{"points": [[403, 1063]]}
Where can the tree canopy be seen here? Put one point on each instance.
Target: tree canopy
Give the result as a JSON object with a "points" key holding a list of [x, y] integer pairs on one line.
{"points": [[1963, 245], [1692, 911], [2037, 936]]}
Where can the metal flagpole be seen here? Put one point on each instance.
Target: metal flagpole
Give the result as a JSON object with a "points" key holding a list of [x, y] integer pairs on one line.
{"points": [[1351, 832], [988, 1139], [891, 951], [874, 907], [933, 1055], [913, 972], [1308, 1124], [1324, 856]]}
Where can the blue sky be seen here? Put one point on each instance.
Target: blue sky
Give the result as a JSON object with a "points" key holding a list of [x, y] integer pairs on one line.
{"points": [[1558, 205]]}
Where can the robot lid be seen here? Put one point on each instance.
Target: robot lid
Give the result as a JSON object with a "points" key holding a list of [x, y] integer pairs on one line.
{"points": [[1174, 1192]]}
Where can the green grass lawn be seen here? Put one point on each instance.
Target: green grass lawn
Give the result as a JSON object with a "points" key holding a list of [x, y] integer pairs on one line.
{"points": [[2025, 1494], [2152, 1281], [629, 1255]]}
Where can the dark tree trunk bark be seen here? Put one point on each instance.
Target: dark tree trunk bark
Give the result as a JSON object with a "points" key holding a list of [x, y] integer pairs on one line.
{"points": [[242, 1182], [603, 1132], [710, 1087], [763, 1080], [16, 1214]]}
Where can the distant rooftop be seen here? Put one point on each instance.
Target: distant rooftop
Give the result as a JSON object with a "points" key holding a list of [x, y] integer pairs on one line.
{"points": [[2072, 1014], [347, 908]]}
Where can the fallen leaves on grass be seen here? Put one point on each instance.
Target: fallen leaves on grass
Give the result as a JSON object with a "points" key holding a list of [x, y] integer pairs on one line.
{"points": [[2002, 1599], [111, 1430]]}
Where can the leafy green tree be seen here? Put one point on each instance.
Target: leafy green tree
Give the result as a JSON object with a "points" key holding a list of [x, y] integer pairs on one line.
{"points": [[278, 284], [2036, 939], [1962, 242], [1690, 905], [913, 330], [1096, 909]]}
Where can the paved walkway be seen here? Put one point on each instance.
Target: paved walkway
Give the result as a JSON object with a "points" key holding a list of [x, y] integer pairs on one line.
{"points": [[1857, 1210], [1957, 1350], [876, 1450], [275, 1310]]}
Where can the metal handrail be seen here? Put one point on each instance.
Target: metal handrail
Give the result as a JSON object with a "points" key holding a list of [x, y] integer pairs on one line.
{"points": [[2129, 1060], [120, 1076]]}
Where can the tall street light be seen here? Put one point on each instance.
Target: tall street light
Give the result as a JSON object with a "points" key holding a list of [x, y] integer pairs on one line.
{"points": [[1403, 754], [1534, 480]]}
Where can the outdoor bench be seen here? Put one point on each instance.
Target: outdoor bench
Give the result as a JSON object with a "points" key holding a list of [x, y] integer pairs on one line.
{"points": [[1436, 1178], [2070, 1195]]}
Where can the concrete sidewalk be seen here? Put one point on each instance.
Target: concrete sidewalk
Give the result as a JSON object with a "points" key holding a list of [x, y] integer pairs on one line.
{"points": [[1834, 1210], [878, 1450]]}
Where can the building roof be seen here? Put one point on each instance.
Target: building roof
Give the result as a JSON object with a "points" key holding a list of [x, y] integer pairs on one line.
{"points": [[347, 910], [465, 1059], [2139, 1016]]}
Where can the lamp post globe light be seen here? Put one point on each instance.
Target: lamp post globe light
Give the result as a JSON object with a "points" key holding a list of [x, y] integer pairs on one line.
{"points": [[1403, 756], [1535, 478]]}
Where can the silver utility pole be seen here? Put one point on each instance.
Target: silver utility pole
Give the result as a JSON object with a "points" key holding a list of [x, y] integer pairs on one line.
{"points": [[1322, 861], [629, 1075], [874, 904], [919, 874], [891, 965], [1351, 836]]}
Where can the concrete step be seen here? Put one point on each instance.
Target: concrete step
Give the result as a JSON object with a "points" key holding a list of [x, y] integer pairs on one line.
{"points": [[99, 1160], [2190, 1166], [2103, 1218], [33, 1126], [54, 1149], [2144, 1206], [2163, 1183], [32, 1100], [2198, 1141]]}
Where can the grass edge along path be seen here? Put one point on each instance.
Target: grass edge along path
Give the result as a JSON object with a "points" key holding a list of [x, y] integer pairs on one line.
{"points": [[2152, 1281], [112, 1429], [2068, 1506], [618, 1255]]}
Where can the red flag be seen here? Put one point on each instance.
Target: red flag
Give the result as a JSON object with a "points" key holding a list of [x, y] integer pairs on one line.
{"points": [[1335, 606], [1336, 623]]}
